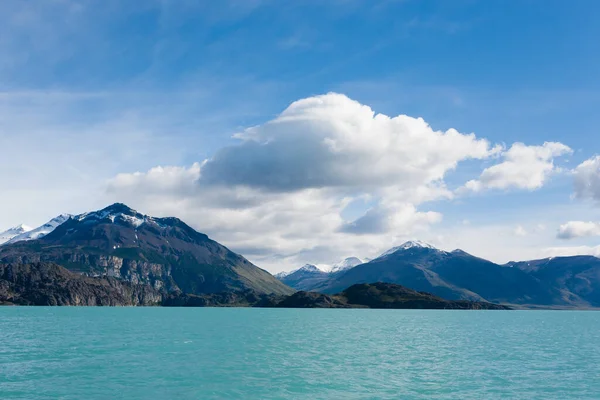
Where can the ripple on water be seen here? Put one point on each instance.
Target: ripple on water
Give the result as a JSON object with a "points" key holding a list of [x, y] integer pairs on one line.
{"points": [[141, 353]]}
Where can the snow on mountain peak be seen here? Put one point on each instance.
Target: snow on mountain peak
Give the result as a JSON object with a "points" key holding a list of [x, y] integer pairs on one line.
{"points": [[20, 228], [310, 268], [345, 264], [40, 231], [13, 232], [416, 243], [115, 212], [411, 244]]}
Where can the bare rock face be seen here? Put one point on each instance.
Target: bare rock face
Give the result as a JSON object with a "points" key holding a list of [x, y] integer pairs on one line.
{"points": [[47, 284]]}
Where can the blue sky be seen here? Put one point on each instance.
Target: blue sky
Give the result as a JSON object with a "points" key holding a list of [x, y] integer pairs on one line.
{"points": [[95, 90]]}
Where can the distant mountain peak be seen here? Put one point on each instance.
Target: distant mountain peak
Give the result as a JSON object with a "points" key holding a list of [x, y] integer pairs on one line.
{"points": [[310, 268], [347, 263], [13, 232], [306, 268], [40, 231], [59, 219], [416, 243], [458, 251], [411, 244]]}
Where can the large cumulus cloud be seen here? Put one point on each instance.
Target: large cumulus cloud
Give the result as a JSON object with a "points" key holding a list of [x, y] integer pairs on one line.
{"points": [[283, 192], [333, 141]]}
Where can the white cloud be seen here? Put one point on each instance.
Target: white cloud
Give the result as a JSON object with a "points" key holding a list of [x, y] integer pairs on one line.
{"points": [[587, 179], [540, 227], [576, 229], [520, 231], [571, 251], [333, 141], [280, 219], [524, 167], [159, 179], [279, 194], [382, 220]]}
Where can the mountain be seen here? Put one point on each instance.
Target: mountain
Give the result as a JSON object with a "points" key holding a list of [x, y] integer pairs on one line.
{"points": [[310, 276], [453, 275], [345, 264], [562, 282], [13, 232], [576, 279], [304, 278], [376, 295], [164, 253], [411, 244], [41, 231]]}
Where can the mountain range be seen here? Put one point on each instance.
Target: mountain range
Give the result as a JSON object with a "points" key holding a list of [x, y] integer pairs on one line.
{"points": [[572, 282], [119, 256], [310, 276]]}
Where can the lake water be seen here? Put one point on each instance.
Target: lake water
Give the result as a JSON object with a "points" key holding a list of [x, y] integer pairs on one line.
{"points": [[212, 353]]}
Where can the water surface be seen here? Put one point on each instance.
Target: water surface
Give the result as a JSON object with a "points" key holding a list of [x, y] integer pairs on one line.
{"points": [[229, 353]]}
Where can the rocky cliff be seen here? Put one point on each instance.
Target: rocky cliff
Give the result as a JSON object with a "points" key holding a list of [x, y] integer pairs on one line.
{"points": [[47, 284]]}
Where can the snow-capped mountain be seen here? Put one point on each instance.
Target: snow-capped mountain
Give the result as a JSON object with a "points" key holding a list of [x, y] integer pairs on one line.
{"points": [[345, 264], [310, 276], [13, 232], [40, 231], [310, 268], [303, 278], [117, 213], [411, 244], [306, 269], [121, 214], [165, 253]]}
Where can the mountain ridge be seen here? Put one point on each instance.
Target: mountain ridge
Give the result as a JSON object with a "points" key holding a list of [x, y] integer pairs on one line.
{"points": [[165, 253], [174, 259], [40, 231], [460, 275], [378, 295]]}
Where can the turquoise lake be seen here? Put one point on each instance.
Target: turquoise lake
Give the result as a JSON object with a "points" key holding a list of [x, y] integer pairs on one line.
{"points": [[237, 353]]}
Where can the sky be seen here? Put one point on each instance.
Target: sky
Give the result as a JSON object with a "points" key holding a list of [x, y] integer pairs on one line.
{"points": [[310, 131]]}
